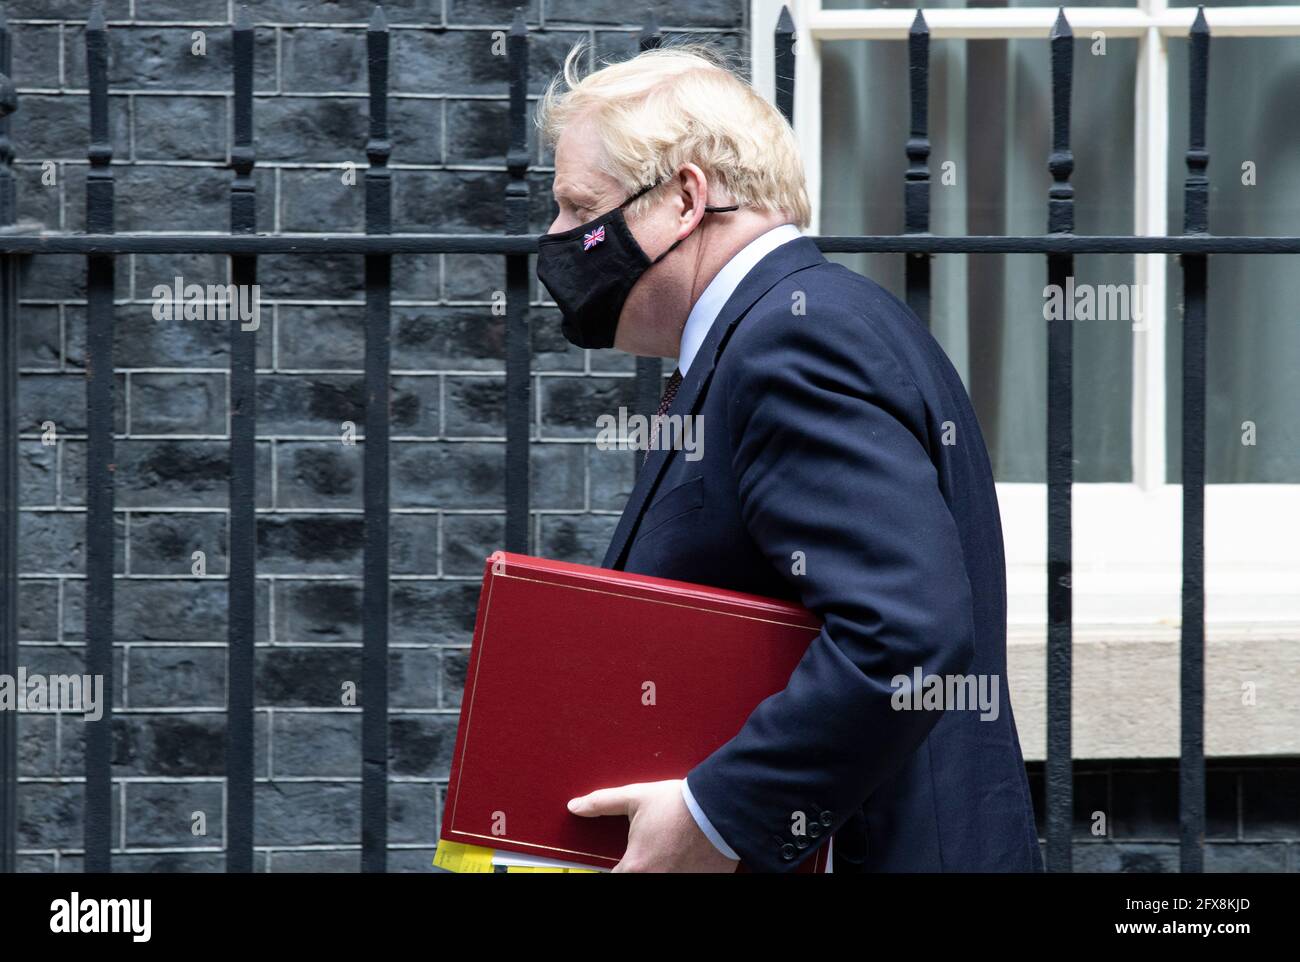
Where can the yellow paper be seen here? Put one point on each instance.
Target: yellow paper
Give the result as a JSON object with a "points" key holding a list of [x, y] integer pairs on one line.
{"points": [[458, 857]]}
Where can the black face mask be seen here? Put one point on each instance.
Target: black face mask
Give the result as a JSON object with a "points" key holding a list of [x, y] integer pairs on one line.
{"points": [[590, 270]]}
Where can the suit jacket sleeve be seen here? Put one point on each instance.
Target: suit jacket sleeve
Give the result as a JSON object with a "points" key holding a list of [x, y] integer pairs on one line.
{"points": [[831, 456]]}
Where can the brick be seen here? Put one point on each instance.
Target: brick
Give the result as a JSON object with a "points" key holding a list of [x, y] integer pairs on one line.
{"points": [[191, 744], [412, 817], [467, 539], [54, 542], [151, 57], [38, 609], [710, 13], [416, 277], [40, 342], [421, 745], [315, 862], [319, 201], [449, 201], [1245, 857], [61, 398], [474, 277], [317, 612], [413, 544], [316, 743], [316, 404], [63, 276], [491, 11], [306, 544], [169, 862], [476, 407], [73, 623], [322, 337], [37, 473], [562, 468], [64, 9], [182, 10], [345, 11], [314, 129], [464, 338], [302, 677], [444, 473], [578, 538], [35, 863], [181, 677], [317, 60], [41, 201], [613, 474], [454, 667], [54, 127], [175, 473], [57, 659], [169, 198], [412, 861], [413, 678], [318, 474], [306, 813], [572, 406], [416, 405], [1125, 857], [433, 613], [178, 403], [50, 815], [37, 746], [327, 277], [35, 53], [181, 128], [174, 611], [162, 814]]}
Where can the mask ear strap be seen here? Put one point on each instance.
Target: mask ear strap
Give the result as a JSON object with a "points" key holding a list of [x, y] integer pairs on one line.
{"points": [[708, 208]]}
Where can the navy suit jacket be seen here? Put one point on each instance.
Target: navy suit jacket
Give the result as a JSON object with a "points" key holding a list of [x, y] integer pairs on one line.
{"points": [[843, 467]]}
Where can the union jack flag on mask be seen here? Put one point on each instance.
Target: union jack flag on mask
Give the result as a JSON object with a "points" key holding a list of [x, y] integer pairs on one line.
{"points": [[593, 238]]}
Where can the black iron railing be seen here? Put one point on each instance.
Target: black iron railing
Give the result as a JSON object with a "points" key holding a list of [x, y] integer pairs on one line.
{"points": [[378, 245]]}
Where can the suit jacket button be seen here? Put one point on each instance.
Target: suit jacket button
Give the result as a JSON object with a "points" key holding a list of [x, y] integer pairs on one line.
{"points": [[787, 851], [815, 829], [801, 842], [827, 819]]}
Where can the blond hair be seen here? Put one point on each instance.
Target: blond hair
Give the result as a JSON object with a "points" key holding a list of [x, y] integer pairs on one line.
{"points": [[676, 105]]}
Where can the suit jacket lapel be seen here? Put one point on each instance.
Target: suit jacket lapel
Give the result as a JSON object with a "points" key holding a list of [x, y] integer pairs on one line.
{"points": [[766, 274]]}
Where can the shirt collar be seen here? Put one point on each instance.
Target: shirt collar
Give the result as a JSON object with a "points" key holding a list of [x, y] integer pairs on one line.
{"points": [[724, 284]]}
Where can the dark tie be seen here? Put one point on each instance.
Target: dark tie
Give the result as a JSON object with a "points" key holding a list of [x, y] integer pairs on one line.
{"points": [[665, 402]]}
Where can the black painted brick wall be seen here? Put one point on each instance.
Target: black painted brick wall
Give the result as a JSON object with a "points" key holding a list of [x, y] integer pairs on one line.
{"points": [[171, 128]]}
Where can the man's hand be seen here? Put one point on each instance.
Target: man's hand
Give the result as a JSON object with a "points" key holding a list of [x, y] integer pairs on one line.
{"points": [[662, 836]]}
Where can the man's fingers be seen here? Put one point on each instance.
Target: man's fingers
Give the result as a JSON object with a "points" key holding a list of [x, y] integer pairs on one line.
{"points": [[605, 801]]}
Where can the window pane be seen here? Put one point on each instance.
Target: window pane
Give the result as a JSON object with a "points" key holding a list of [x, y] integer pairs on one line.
{"points": [[1253, 338], [989, 116]]}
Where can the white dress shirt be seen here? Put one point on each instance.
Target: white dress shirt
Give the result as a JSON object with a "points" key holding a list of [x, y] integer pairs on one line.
{"points": [[701, 319]]}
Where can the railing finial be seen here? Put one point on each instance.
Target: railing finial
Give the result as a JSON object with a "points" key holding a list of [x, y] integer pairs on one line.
{"points": [[651, 36], [1200, 25], [1061, 28]]}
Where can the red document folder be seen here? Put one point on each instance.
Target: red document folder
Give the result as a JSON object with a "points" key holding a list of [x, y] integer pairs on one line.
{"points": [[583, 678]]}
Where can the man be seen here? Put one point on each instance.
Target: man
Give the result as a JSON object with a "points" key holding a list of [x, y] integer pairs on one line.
{"points": [[843, 467]]}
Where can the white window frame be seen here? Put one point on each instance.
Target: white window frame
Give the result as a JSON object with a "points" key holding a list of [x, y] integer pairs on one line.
{"points": [[1126, 537]]}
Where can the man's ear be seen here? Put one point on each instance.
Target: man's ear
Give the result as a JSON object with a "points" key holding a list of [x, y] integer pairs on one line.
{"points": [[692, 193]]}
